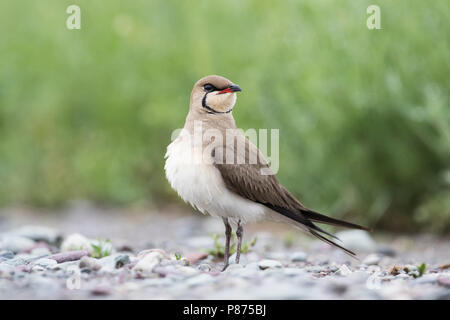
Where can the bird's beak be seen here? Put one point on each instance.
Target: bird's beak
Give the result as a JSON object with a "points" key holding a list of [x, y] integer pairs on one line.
{"points": [[230, 89]]}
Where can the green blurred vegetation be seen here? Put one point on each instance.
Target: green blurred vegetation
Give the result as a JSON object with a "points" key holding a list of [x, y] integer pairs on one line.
{"points": [[364, 115]]}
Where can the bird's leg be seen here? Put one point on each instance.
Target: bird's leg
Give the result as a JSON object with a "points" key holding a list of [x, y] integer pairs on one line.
{"points": [[227, 242], [239, 234]]}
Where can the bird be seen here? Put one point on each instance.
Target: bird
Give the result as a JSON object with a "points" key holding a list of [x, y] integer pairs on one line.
{"points": [[226, 175]]}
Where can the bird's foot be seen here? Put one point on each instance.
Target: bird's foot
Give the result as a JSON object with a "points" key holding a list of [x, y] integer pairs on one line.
{"points": [[225, 267]]}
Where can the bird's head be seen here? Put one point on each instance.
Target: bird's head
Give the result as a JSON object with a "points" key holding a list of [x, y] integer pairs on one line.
{"points": [[214, 95]]}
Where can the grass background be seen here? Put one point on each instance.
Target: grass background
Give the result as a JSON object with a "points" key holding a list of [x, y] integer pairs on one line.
{"points": [[364, 114]]}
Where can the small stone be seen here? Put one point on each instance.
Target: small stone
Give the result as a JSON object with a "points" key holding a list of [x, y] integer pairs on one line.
{"points": [[143, 253], [101, 290], [194, 257], [344, 271], [372, 259], [89, 263], [68, 266], [395, 270], [38, 268], [76, 242], [121, 260], [16, 261], [267, 264], [113, 262], [45, 262], [148, 262], [7, 255], [68, 256], [298, 256], [16, 243], [41, 251], [39, 233], [204, 267]]}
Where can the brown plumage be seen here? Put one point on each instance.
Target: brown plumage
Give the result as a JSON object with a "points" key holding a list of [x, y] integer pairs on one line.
{"points": [[247, 180]]}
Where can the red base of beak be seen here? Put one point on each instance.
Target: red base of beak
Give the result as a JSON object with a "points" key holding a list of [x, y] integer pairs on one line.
{"points": [[227, 90]]}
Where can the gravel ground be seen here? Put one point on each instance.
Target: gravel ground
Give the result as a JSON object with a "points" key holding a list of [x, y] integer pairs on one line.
{"points": [[167, 255]]}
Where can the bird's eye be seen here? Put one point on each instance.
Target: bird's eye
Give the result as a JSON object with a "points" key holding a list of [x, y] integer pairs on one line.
{"points": [[208, 87]]}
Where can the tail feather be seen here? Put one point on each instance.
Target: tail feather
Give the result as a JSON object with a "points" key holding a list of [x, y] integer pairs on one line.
{"points": [[306, 218], [321, 237], [317, 217]]}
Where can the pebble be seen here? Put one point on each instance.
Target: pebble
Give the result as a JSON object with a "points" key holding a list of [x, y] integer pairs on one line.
{"points": [[194, 257], [68, 256], [89, 263], [344, 271], [298, 256], [41, 251], [76, 242], [148, 262], [143, 253], [267, 264], [39, 233], [16, 243], [7, 255], [101, 290], [204, 267], [37, 268], [16, 261], [113, 262], [45, 262]]}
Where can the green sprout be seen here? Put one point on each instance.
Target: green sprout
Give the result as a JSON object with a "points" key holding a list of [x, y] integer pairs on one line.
{"points": [[101, 249], [219, 249], [177, 256], [422, 268]]}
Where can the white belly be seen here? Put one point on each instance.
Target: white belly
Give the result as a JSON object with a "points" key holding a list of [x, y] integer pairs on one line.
{"points": [[200, 183]]}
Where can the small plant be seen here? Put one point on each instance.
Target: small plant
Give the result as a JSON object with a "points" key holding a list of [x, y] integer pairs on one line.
{"points": [[177, 256], [101, 248], [219, 249], [422, 268]]}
